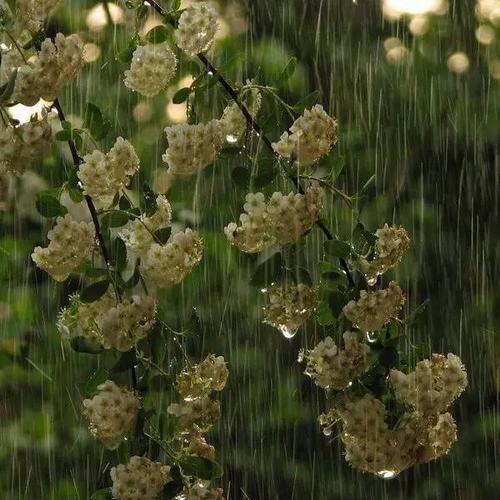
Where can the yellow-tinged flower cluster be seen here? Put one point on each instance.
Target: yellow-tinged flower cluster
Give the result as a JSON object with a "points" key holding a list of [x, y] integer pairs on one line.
{"points": [[104, 175], [233, 122], [138, 234], [311, 137], [112, 413], [333, 368], [167, 265], [281, 220], [290, 306], [391, 244], [21, 145], [196, 29], [375, 309], [191, 148], [153, 66], [140, 479], [69, 243], [106, 322], [31, 14], [434, 384], [201, 491], [42, 77], [197, 413], [372, 446]]}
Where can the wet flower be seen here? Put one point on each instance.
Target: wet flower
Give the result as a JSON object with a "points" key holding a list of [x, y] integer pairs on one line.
{"points": [[282, 220], [138, 234], [434, 384], [108, 323], [200, 380], [333, 368], [195, 417], [311, 137], [169, 264], [140, 479], [21, 145], [112, 413], [31, 14], [54, 66], [191, 148], [290, 306], [151, 69], [196, 29], [391, 244], [104, 175], [69, 243], [375, 309]]}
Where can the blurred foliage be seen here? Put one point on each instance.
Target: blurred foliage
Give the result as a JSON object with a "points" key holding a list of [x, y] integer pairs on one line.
{"points": [[430, 136]]}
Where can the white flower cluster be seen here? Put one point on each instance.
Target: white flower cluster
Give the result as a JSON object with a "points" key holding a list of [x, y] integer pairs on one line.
{"points": [[312, 136], [153, 66], [21, 145], [290, 306], [112, 413], [332, 368], [197, 413], [392, 243], [434, 384], [200, 380], [191, 148], [31, 14], [56, 65], [282, 220], [196, 29], [108, 323], [138, 234], [372, 446], [375, 309], [167, 265], [69, 243], [104, 175], [140, 479], [201, 491], [233, 122]]}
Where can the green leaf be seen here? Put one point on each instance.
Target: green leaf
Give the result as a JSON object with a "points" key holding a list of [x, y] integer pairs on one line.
{"points": [[390, 336], [148, 200], [388, 357], [75, 195], [95, 122], [241, 177], [125, 55], [158, 34], [98, 377], [336, 301], [124, 204], [94, 272], [163, 235], [192, 327], [94, 291], [63, 135], [48, 205], [200, 467], [175, 4], [287, 72], [103, 494], [338, 165], [181, 95], [115, 219], [267, 272], [84, 345], [171, 490], [133, 280], [306, 102], [7, 89], [337, 248], [323, 315], [413, 317], [127, 360], [119, 255]]}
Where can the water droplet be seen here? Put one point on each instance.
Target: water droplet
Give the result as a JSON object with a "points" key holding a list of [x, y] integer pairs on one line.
{"points": [[387, 474], [287, 332], [231, 138], [210, 73], [371, 337]]}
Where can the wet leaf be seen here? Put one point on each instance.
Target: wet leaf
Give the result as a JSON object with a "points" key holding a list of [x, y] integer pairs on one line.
{"points": [[200, 467], [49, 206], [94, 291]]}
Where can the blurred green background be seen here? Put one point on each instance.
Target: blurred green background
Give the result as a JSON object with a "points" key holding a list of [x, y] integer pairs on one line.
{"points": [[417, 100]]}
